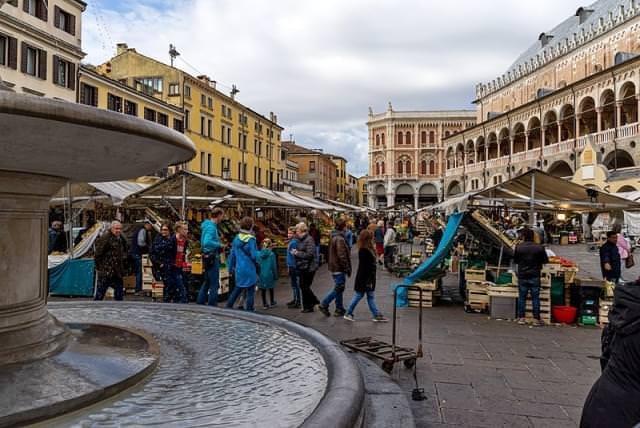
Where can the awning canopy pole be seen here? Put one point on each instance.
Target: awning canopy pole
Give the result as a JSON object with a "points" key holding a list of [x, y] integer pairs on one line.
{"points": [[532, 202]]}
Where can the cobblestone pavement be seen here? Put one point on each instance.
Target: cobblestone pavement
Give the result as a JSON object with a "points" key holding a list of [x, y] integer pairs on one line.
{"points": [[476, 371]]}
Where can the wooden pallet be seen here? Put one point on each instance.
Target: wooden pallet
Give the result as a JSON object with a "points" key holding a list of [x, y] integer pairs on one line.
{"points": [[475, 274], [429, 298], [427, 285]]}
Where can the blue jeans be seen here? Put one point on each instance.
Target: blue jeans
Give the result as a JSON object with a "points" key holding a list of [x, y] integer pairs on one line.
{"points": [[318, 255], [295, 285], [339, 279], [524, 286], [174, 290], [210, 285], [137, 268], [371, 301], [248, 304], [103, 285]]}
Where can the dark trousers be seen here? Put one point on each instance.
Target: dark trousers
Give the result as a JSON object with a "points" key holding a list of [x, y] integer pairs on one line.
{"points": [[104, 282], [524, 286], [174, 290], [137, 269], [309, 300], [263, 292]]}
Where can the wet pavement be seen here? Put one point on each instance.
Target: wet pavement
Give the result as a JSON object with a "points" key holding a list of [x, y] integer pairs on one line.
{"points": [[213, 371], [476, 371]]}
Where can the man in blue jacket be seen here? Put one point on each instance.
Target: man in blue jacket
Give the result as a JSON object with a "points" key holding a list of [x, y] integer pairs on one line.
{"points": [[211, 248]]}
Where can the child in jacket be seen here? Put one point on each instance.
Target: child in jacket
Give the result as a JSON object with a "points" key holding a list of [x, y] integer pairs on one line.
{"points": [[268, 273]]}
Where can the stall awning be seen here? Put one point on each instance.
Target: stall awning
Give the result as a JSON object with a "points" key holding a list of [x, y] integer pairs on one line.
{"points": [[450, 205], [346, 206], [550, 192], [318, 203], [109, 191]]}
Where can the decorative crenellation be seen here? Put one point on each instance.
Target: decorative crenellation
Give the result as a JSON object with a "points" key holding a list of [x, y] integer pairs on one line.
{"points": [[566, 45]]}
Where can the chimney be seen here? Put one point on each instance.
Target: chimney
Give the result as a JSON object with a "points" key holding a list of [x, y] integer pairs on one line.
{"points": [[121, 48]]}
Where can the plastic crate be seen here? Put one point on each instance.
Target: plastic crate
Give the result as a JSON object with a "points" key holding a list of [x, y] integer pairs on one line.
{"points": [[503, 307]]}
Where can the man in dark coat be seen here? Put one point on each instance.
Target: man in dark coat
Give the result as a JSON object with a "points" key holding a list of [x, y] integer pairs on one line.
{"points": [[141, 241], [340, 268], [614, 400], [529, 257], [111, 261], [610, 258]]}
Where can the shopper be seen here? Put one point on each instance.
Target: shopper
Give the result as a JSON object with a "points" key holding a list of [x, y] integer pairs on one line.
{"points": [[242, 264], [268, 273], [57, 238], [529, 257], [294, 275], [140, 244], [390, 245], [436, 236], [365, 283], [379, 240], [180, 266], [314, 232], [610, 258], [306, 265], [613, 400], [211, 250], [111, 261], [340, 268], [163, 257], [623, 248]]}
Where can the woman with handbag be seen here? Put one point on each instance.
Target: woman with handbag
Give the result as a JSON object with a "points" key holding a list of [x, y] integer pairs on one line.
{"points": [[306, 264], [242, 262], [626, 258]]}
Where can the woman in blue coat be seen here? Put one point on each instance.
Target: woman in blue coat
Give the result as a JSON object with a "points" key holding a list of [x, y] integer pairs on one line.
{"points": [[242, 263], [268, 273]]}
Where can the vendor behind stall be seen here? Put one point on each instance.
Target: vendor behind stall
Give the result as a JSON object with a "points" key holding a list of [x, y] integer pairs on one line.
{"points": [[529, 257]]}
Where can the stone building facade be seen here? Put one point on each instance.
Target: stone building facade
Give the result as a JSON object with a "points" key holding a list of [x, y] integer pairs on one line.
{"points": [[406, 155], [578, 85]]}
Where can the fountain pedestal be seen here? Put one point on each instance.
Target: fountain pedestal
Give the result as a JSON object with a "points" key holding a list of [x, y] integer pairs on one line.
{"points": [[27, 331]]}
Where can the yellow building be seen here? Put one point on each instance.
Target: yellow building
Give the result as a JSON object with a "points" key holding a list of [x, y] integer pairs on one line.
{"points": [[102, 92], [232, 141], [363, 193], [341, 177]]}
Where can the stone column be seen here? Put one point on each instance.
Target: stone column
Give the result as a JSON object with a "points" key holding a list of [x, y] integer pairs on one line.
{"points": [[559, 131], [578, 116], [543, 131], [391, 199], [416, 201], [27, 331], [599, 118], [526, 141], [618, 114]]}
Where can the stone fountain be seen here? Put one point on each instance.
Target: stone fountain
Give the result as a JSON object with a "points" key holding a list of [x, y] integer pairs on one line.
{"points": [[49, 368]]}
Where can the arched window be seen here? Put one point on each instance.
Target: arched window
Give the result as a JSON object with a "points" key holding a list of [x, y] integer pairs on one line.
{"points": [[423, 167], [432, 137], [400, 135], [377, 168], [407, 139], [382, 139], [446, 134], [432, 167], [407, 167], [382, 167], [377, 139], [400, 165], [423, 137]]}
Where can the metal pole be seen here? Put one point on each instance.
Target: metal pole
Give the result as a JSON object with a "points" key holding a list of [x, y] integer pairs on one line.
{"points": [[183, 208], [533, 199], [69, 219]]}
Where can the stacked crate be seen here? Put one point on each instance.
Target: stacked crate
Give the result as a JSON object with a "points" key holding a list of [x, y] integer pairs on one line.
{"points": [[430, 294], [511, 290], [477, 297]]}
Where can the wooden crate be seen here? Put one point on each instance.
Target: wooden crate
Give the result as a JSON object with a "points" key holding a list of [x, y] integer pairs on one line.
{"points": [[157, 289], [475, 274], [427, 285], [429, 298], [603, 316]]}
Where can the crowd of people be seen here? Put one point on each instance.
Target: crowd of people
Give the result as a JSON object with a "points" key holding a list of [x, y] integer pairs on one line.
{"points": [[252, 265]]}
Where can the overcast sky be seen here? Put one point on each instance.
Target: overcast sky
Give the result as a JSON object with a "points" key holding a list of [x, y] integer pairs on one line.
{"points": [[319, 65]]}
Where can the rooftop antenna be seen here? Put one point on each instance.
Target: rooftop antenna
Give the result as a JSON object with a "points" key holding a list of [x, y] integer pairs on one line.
{"points": [[173, 53]]}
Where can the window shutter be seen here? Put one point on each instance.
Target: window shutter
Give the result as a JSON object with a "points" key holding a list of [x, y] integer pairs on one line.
{"points": [[56, 71], [23, 58], [83, 88], [71, 76], [25, 5], [72, 24], [56, 17], [42, 64], [41, 9], [13, 53]]}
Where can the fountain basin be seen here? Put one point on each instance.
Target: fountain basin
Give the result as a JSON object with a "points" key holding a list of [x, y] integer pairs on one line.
{"points": [[223, 368]]}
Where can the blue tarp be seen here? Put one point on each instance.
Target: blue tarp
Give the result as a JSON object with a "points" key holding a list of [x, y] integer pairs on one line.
{"points": [[443, 250], [72, 278]]}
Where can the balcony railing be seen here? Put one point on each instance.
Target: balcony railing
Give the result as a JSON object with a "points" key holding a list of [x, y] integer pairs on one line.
{"points": [[630, 130]]}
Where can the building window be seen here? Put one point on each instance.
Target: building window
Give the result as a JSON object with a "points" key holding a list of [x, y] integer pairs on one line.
{"points": [[8, 51], [203, 100], [223, 134], [423, 167], [377, 139], [209, 163], [209, 130], [407, 138], [400, 167], [187, 91], [130, 108], [432, 137], [423, 137], [149, 114], [178, 125], [312, 166], [187, 119], [37, 8], [228, 135], [400, 136], [202, 124], [64, 21], [382, 138], [446, 134], [432, 167], [88, 95], [210, 103], [202, 161], [174, 89], [337, 173], [64, 73], [34, 61], [114, 103], [149, 85], [163, 119]]}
